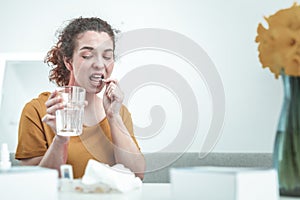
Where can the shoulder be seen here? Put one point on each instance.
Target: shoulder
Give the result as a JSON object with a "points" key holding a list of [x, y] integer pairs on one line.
{"points": [[124, 112], [37, 103], [41, 99]]}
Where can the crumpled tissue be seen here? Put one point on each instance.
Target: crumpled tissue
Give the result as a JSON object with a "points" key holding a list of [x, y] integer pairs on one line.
{"points": [[117, 177]]}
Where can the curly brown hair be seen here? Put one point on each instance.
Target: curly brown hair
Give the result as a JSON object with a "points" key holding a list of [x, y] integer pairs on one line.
{"points": [[67, 42]]}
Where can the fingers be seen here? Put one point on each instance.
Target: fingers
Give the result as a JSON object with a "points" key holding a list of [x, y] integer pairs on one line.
{"points": [[109, 80], [112, 89], [54, 103], [111, 83], [52, 109], [48, 117]]}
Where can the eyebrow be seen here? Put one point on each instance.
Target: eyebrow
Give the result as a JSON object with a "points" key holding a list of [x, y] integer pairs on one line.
{"points": [[106, 50], [86, 47], [91, 49]]}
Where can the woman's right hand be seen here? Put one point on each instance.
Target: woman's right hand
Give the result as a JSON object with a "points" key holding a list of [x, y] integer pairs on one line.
{"points": [[54, 103]]}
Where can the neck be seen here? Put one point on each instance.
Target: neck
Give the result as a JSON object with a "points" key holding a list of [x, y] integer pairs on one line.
{"points": [[72, 79], [93, 101], [94, 111]]}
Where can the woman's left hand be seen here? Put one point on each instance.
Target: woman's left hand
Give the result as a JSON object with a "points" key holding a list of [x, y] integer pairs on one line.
{"points": [[112, 98]]}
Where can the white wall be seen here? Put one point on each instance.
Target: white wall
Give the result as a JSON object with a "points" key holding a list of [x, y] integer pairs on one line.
{"points": [[226, 30]]}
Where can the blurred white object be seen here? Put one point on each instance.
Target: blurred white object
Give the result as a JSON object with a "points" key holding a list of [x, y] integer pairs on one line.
{"points": [[117, 177], [5, 163], [28, 182], [66, 181], [66, 171], [214, 183]]}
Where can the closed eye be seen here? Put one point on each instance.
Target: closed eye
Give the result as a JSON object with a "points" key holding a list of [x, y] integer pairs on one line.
{"points": [[87, 56], [107, 57]]}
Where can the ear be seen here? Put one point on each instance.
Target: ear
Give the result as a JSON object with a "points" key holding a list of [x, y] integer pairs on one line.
{"points": [[68, 63]]}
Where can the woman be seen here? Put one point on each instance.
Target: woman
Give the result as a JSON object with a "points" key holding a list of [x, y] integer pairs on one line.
{"points": [[83, 56]]}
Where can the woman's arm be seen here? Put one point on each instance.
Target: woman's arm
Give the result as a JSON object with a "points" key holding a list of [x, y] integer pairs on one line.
{"points": [[57, 153], [31, 161], [55, 156], [125, 150]]}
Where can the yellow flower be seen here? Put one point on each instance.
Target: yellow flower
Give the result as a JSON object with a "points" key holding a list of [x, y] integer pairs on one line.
{"points": [[279, 45]]}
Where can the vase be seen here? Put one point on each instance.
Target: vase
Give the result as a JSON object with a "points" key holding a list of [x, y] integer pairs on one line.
{"points": [[286, 155]]}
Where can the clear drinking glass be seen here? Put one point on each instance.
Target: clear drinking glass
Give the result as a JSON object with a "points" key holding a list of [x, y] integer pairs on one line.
{"points": [[69, 120]]}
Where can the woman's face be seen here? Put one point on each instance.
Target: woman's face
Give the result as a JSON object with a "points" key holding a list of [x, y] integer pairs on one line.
{"points": [[92, 60]]}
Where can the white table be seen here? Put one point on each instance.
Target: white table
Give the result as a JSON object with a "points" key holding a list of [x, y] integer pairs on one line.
{"points": [[149, 191]]}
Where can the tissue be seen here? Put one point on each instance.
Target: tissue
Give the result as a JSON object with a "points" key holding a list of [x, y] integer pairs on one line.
{"points": [[116, 177]]}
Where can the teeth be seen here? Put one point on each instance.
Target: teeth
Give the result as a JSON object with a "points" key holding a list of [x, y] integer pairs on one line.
{"points": [[96, 77]]}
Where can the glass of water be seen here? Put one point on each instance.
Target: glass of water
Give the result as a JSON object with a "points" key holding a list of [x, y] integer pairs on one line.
{"points": [[69, 120]]}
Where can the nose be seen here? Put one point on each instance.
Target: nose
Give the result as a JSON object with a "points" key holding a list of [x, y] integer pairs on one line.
{"points": [[98, 63]]}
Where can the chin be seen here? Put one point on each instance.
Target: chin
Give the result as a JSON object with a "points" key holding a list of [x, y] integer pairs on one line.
{"points": [[95, 90]]}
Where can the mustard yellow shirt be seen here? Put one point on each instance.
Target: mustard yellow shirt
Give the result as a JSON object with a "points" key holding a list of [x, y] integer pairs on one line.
{"points": [[95, 142]]}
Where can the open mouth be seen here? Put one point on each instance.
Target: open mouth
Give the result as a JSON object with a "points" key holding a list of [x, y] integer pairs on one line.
{"points": [[97, 78]]}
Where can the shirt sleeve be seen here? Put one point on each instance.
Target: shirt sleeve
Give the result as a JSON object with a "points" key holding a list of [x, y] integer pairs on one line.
{"points": [[126, 116], [32, 140]]}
